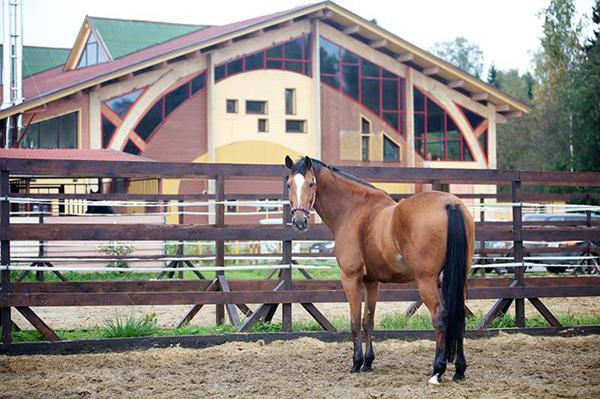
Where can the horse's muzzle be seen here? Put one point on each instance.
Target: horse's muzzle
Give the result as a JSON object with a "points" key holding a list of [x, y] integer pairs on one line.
{"points": [[300, 222]]}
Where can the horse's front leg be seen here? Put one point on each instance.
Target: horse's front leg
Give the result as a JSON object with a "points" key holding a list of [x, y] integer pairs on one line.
{"points": [[352, 286]]}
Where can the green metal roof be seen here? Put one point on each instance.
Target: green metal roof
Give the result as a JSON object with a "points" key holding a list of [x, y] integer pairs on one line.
{"points": [[40, 59], [124, 37]]}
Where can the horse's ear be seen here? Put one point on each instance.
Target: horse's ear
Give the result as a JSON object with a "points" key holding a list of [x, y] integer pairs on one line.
{"points": [[307, 162], [289, 163]]}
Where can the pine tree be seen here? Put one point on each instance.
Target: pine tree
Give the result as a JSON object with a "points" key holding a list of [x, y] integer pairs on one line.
{"points": [[491, 79]]}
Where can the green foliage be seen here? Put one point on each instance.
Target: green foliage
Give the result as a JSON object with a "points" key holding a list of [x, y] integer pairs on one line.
{"points": [[130, 326], [115, 248], [462, 54], [492, 74]]}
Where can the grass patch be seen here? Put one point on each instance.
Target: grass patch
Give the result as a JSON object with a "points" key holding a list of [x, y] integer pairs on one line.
{"points": [[146, 326], [130, 326]]}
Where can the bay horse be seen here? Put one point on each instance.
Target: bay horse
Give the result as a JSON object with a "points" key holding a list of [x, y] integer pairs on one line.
{"points": [[379, 240]]}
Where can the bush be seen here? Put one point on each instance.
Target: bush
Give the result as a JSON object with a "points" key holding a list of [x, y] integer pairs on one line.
{"points": [[114, 248]]}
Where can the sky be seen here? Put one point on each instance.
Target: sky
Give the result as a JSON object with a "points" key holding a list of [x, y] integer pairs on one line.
{"points": [[507, 31]]}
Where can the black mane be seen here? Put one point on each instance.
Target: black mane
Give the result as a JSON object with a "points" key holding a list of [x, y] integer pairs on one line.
{"points": [[300, 167]]}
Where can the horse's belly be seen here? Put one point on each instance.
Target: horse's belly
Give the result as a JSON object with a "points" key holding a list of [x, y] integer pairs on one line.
{"points": [[393, 270]]}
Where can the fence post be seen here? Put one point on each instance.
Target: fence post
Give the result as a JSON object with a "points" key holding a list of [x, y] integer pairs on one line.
{"points": [[220, 244], [519, 271], [5, 316], [286, 246]]}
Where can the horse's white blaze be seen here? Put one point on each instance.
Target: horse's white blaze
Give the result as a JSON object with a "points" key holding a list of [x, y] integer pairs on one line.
{"points": [[434, 380], [299, 182]]}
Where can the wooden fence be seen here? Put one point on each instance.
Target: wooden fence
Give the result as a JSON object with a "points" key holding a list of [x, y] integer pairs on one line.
{"points": [[231, 296]]}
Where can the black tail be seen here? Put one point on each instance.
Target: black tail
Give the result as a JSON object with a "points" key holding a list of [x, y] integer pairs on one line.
{"points": [[453, 281]]}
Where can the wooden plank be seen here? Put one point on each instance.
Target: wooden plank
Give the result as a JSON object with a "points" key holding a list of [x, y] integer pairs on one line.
{"points": [[545, 312], [231, 308], [412, 308], [196, 341], [319, 317], [196, 308], [38, 323], [500, 307]]}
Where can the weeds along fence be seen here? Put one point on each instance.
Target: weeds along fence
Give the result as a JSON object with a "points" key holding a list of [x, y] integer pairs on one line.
{"points": [[216, 224]]}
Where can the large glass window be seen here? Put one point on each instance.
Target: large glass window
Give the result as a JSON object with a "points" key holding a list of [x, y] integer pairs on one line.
{"points": [[93, 53], [377, 89], [121, 104], [391, 150], [59, 132], [108, 130], [293, 55], [155, 116], [437, 137]]}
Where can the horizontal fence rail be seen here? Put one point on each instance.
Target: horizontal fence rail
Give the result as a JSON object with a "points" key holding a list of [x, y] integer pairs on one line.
{"points": [[229, 296]]}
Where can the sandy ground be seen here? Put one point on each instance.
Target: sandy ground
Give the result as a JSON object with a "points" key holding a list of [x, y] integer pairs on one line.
{"points": [[86, 317], [500, 367]]}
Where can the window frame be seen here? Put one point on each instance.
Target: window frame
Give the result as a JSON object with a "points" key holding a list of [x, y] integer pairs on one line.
{"points": [[445, 140], [292, 109], [265, 107], [56, 118], [388, 138], [301, 131], [305, 61], [383, 75], [235, 106], [265, 121]]}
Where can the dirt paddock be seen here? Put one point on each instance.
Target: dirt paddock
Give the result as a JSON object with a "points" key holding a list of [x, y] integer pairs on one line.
{"points": [[500, 367]]}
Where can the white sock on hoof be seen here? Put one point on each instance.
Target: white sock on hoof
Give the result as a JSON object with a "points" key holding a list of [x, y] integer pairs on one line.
{"points": [[434, 380]]}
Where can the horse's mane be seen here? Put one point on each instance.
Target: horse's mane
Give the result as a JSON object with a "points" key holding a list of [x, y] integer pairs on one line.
{"points": [[300, 167]]}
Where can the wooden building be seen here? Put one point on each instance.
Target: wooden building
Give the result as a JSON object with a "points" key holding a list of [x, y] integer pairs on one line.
{"points": [[317, 80]]}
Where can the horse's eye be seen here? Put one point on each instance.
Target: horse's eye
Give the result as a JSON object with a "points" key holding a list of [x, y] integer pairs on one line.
{"points": [[311, 185], [288, 185]]}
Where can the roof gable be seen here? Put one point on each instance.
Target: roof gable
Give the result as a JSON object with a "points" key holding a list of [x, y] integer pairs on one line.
{"points": [[124, 37]]}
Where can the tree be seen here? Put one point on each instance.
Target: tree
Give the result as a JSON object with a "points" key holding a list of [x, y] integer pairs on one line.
{"points": [[518, 86], [585, 103], [492, 74], [462, 54]]}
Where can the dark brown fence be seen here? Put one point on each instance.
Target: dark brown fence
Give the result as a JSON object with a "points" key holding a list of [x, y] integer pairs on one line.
{"points": [[231, 296]]}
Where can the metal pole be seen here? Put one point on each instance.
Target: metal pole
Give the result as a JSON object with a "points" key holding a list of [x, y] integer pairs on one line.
{"points": [[220, 244], [286, 247]]}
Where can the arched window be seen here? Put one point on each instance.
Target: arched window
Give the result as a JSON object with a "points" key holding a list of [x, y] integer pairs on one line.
{"points": [[375, 88], [437, 137], [478, 126], [160, 111], [293, 55]]}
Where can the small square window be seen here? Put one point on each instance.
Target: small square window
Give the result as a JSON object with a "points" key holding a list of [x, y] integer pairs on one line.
{"points": [[263, 125], [256, 107], [295, 126], [232, 106]]}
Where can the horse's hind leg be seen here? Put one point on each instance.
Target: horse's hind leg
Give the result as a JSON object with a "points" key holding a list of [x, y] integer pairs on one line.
{"points": [[371, 289], [352, 286], [431, 297]]}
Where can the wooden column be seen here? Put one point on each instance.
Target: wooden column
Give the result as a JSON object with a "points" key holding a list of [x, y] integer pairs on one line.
{"points": [[5, 284], [410, 119], [220, 244], [316, 75], [286, 322], [519, 275]]}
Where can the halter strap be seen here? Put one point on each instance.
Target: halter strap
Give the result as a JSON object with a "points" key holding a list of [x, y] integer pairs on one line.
{"points": [[307, 211]]}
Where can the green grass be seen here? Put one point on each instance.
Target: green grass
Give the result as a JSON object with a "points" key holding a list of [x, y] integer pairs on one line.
{"points": [[146, 326], [130, 326]]}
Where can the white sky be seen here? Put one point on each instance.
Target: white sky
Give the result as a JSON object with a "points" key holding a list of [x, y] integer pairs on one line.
{"points": [[507, 31]]}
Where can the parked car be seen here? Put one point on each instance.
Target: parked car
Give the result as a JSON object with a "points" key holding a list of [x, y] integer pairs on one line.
{"points": [[322, 247]]}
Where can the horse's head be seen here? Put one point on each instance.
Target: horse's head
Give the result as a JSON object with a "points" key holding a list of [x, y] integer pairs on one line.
{"points": [[302, 185]]}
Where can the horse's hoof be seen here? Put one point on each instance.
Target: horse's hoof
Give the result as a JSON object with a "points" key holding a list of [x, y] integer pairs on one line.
{"points": [[366, 369], [434, 380], [458, 377], [354, 370]]}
